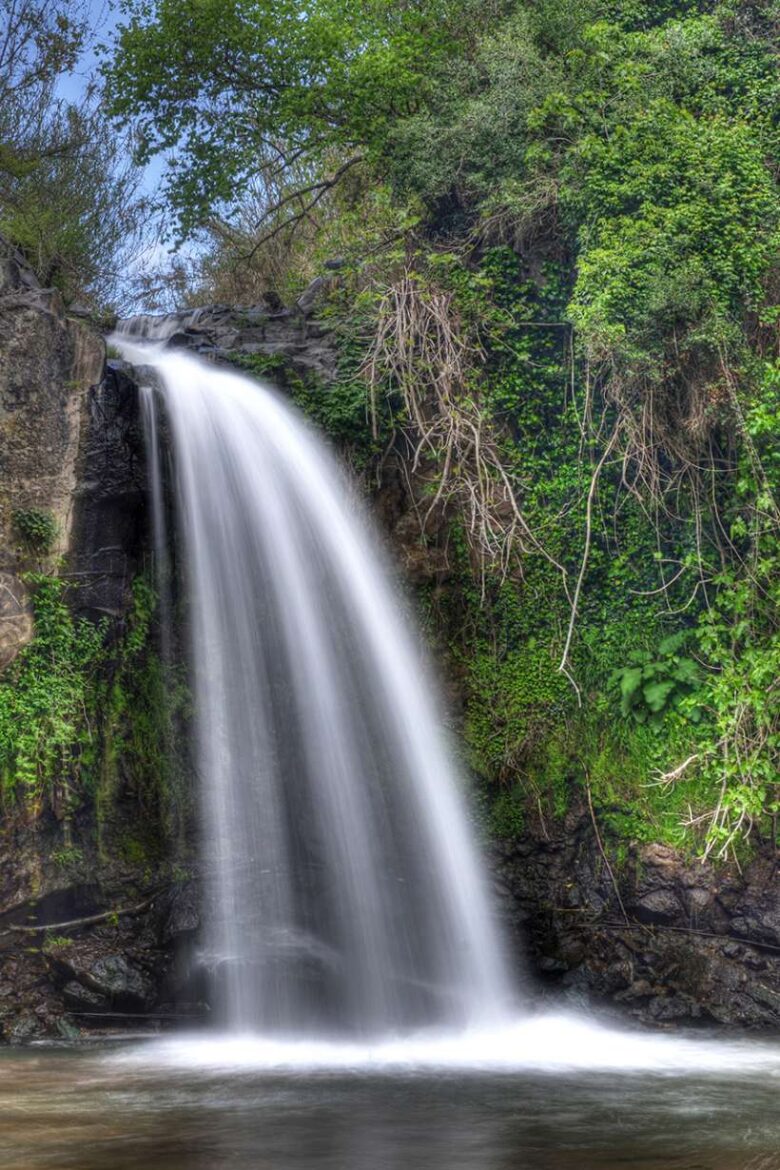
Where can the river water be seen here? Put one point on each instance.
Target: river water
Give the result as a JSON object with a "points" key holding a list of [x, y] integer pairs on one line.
{"points": [[579, 1098]]}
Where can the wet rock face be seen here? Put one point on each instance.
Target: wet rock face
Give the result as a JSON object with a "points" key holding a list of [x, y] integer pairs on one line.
{"points": [[110, 500], [109, 981], [69, 965], [48, 362], [72, 467], [668, 941], [182, 918]]}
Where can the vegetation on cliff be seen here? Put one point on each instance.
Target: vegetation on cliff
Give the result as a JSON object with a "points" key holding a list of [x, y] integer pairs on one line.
{"points": [[86, 715], [557, 229]]}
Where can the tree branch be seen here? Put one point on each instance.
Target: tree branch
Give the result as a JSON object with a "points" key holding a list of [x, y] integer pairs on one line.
{"points": [[319, 189], [89, 920]]}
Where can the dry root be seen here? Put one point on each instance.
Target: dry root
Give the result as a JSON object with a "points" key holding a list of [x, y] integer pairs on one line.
{"points": [[422, 350]]}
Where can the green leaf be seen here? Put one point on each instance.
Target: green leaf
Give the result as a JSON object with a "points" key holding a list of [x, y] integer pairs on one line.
{"points": [[656, 694], [672, 643], [630, 681], [687, 671]]}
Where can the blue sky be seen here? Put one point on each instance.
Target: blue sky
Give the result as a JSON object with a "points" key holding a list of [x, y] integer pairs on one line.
{"points": [[104, 15], [104, 18]]}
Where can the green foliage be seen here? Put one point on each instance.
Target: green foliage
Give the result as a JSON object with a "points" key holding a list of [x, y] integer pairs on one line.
{"points": [[514, 699], [221, 81], [739, 638], [56, 942], [74, 214], [654, 683], [535, 748], [526, 734], [67, 200], [43, 699], [85, 718], [69, 857], [144, 704], [679, 226], [36, 528], [507, 814]]}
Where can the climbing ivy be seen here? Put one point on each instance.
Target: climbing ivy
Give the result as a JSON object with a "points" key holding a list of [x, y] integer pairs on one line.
{"points": [[45, 735], [653, 683], [87, 715], [36, 528], [663, 673]]}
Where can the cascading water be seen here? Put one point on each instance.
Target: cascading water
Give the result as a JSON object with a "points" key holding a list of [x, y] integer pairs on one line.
{"points": [[150, 420], [346, 890]]}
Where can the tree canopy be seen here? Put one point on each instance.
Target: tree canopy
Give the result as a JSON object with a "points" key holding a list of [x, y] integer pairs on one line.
{"points": [[239, 88], [66, 197]]}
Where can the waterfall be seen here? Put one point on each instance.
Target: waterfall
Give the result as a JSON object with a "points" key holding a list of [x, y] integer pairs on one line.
{"points": [[160, 544], [345, 891]]}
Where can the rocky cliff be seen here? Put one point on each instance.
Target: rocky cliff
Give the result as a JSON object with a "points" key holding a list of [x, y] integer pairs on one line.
{"points": [[292, 337], [48, 364], [638, 929], [654, 936], [72, 508]]}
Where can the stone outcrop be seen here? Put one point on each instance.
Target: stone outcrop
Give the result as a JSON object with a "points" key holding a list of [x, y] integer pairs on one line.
{"points": [[73, 503], [48, 362], [291, 337], [661, 938], [120, 972]]}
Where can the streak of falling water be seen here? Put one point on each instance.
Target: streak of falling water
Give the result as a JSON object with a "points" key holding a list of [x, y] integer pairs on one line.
{"points": [[348, 897], [151, 425]]}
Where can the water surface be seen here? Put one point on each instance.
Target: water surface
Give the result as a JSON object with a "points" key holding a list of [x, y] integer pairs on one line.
{"points": [[241, 1105]]}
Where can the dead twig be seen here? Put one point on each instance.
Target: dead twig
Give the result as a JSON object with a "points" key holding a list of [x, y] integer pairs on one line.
{"points": [[89, 920], [422, 349]]}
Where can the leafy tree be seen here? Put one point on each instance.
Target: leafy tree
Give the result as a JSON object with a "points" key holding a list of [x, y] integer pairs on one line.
{"points": [[40, 41], [249, 87], [65, 198]]}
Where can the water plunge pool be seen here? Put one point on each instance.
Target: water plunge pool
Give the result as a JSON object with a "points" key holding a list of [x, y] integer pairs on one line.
{"points": [[553, 1094]]}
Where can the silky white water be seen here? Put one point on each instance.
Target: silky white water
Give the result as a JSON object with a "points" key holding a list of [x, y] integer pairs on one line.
{"points": [[541, 1044], [345, 894], [160, 542]]}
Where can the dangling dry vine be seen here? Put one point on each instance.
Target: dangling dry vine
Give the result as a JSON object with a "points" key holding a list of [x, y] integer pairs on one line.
{"points": [[422, 350]]}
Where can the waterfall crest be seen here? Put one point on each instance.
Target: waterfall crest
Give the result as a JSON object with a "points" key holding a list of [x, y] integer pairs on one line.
{"points": [[346, 891]]}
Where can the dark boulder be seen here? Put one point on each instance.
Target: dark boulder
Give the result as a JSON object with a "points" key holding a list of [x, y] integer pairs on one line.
{"points": [[122, 984]]}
